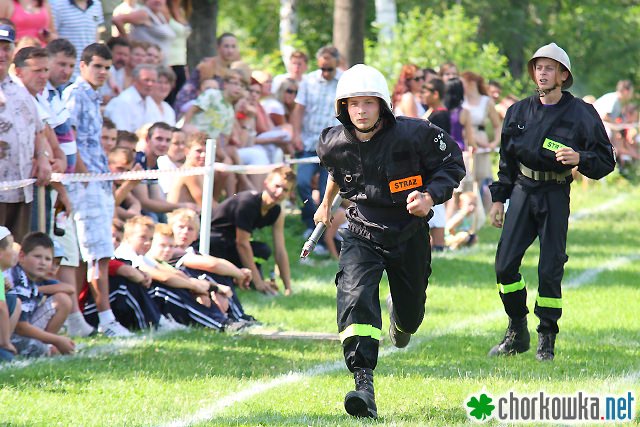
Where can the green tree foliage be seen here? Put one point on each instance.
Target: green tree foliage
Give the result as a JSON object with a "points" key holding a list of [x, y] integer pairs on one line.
{"points": [[428, 40]]}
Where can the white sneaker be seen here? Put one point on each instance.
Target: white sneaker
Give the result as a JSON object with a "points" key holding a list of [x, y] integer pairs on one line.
{"points": [[114, 330], [168, 324], [79, 328]]}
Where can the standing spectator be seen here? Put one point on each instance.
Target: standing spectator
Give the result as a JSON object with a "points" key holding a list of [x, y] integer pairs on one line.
{"points": [[78, 21], [32, 18], [297, 66], [448, 71], [179, 13], [314, 112], [124, 8], [494, 90], [108, 7], [23, 150], [437, 113], [609, 105], [543, 138], [481, 109], [235, 220], [406, 94], [62, 62], [286, 94], [121, 53], [148, 24], [134, 107], [154, 203], [166, 81], [93, 202]]}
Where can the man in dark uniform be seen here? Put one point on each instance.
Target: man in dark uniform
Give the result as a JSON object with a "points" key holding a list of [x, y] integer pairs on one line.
{"points": [[393, 170], [543, 138]]}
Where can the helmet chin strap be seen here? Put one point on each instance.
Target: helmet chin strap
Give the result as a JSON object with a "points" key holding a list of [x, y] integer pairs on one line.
{"points": [[543, 92], [372, 128]]}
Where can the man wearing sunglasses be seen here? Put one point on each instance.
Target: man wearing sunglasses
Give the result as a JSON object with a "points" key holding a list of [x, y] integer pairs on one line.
{"points": [[311, 115], [393, 169]]}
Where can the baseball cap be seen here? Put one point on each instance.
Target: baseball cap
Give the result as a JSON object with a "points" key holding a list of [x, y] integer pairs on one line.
{"points": [[4, 232], [7, 33], [58, 250]]}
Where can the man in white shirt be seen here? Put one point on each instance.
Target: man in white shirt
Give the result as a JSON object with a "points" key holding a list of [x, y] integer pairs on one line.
{"points": [[134, 107]]}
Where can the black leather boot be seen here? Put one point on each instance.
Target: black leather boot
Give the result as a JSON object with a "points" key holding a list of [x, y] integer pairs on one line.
{"points": [[516, 339], [546, 344], [361, 402], [398, 338]]}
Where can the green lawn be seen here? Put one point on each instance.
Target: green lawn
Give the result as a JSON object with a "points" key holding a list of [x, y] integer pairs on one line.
{"points": [[199, 377]]}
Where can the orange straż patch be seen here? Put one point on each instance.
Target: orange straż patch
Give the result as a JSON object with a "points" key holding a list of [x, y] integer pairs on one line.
{"points": [[405, 183]]}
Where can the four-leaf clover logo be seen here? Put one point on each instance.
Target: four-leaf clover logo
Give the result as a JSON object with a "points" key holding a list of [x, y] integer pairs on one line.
{"points": [[482, 408]]}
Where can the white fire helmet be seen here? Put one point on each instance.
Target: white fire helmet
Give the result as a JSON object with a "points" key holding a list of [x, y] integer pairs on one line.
{"points": [[361, 80], [555, 52]]}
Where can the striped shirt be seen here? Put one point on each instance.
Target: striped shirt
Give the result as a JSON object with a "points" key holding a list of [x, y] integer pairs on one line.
{"points": [[317, 95], [79, 26]]}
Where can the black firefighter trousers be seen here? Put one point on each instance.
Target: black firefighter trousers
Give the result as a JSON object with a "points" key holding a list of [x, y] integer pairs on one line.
{"points": [[362, 262], [534, 214]]}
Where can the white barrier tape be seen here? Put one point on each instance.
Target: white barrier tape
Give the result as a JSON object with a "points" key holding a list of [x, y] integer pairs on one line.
{"points": [[14, 185], [152, 173]]}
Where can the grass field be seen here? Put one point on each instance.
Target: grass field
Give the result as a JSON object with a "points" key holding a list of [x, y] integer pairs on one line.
{"points": [[203, 378]]}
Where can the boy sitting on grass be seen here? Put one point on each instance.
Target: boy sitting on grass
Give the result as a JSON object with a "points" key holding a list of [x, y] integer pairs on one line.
{"points": [[10, 307], [42, 315], [185, 226]]}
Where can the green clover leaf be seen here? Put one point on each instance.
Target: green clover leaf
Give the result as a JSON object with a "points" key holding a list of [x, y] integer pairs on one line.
{"points": [[482, 408]]}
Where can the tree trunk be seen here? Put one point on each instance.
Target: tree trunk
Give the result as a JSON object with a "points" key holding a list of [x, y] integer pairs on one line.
{"points": [[386, 18], [202, 41], [288, 28], [348, 30]]}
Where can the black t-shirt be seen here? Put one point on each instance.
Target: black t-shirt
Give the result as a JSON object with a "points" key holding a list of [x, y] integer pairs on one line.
{"points": [[241, 211], [441, 119]]}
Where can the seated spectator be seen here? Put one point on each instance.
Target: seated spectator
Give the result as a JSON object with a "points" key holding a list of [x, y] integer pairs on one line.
{"points": [[188, 189], [132, 305], [109, 136], [286, 94], [138, 56], [185, 226], [120, 71], [216, 67], [203, 86], [173, 291], [166, 80], [149, 192], [175, 157], [461, 228], [154, 55], [213, 114], [126, 139], [275, 139], [235, 220], [127, 206], [36, 333], [10, 305], [134, 106]]}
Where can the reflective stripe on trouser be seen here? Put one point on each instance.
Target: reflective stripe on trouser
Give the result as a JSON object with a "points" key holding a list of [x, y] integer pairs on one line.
{"points": [[545, 216], [361, 266]]}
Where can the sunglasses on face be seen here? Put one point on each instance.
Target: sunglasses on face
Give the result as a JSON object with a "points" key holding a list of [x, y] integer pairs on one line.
{"points": [[328, 69], [291, 91], [428, 89], [418, 78]]}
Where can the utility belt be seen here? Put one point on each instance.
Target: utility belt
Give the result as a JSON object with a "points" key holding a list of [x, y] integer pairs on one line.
{"points": [[559, 177], [381, 234]]}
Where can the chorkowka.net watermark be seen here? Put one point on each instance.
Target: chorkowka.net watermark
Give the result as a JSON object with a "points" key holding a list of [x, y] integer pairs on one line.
{"points": [[543, 407]]}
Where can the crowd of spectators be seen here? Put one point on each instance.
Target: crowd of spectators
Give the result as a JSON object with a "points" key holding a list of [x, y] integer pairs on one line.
{"points": [[116, 256]]}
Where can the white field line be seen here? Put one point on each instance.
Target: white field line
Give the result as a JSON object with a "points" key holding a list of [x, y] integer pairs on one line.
{"points": [[257, 387]]}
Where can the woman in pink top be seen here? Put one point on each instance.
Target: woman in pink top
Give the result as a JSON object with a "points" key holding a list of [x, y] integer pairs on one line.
{"points": [[31, 18]]}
